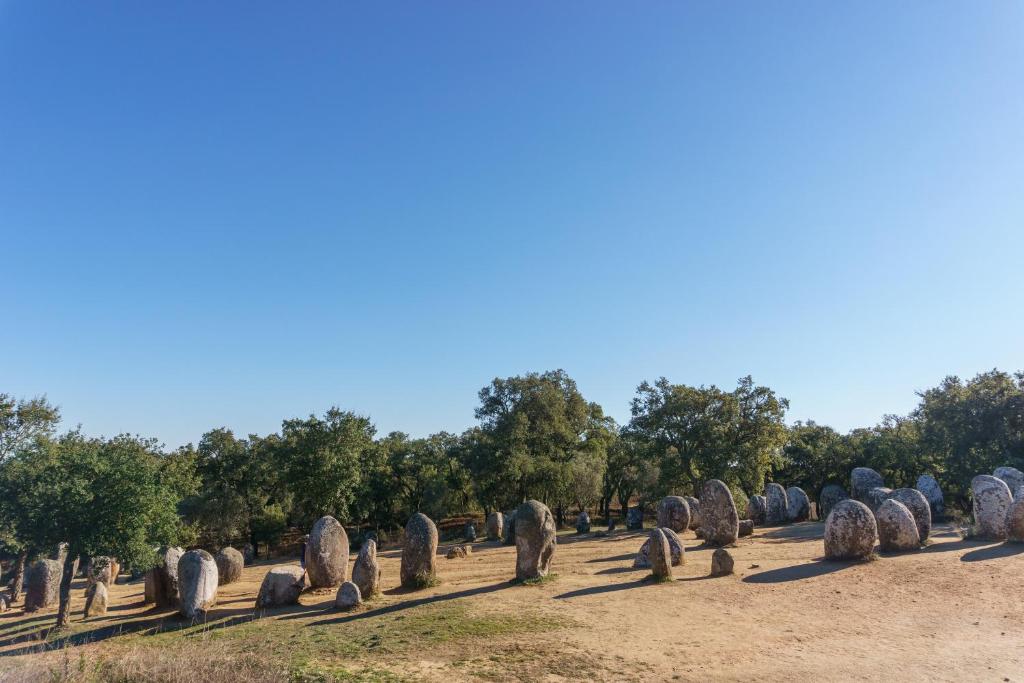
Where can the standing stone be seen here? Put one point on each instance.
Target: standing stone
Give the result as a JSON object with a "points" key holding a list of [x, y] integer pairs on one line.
{"points": [[508, 528], [827, 499], [674, 513], [719, 520], [659, 555], [494, 526], [675, 547], [635, 519], [418, 552], [919, 508], [876, 496], [927, 485], [862, 480], [757, 509], [197, 583], [746, 527], [327, 553], [1013, 477], [229, 565], [96, 600], [162, 580], [611, 524], [366, 573], [348, 596], [4, 603], [281, 586], [777, 507], [850, 531], [721, 563], [992, 501], [1015, 521], [102, 569], [248, 554], [470, 532], [42, 584], [798, 505], [897, 530], [583, 523], [694, 505], [535, 540]]}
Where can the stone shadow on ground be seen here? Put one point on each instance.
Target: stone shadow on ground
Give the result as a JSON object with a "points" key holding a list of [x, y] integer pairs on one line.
{"points": [[610, 588], [799, 572], [615, 558], [994, 552], [619, 570], [798, 531]]}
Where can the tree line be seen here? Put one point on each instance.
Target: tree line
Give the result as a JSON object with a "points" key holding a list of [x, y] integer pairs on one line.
{"points": [[536, 437]]}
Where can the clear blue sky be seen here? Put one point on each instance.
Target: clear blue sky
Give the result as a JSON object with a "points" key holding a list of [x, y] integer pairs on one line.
{"points": [[234, 213]]}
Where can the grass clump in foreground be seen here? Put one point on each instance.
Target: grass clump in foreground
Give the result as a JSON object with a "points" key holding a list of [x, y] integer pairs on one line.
{"points": [[537, 580]]}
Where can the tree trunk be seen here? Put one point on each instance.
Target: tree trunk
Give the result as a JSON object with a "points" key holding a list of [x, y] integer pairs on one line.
{"points": [[70, 565], [19, 576]]}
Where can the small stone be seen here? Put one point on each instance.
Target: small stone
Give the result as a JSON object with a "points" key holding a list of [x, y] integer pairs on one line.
{"points": [[850, 531], [5, 603], [583, 523], [829, 497], [721, 563], [674, 513], [229, 565], [459, 551], [96, 600], [660, 556], [418, 552], [348, 596], [535, 540], [798, 505], [366, 572], [469, 533], [746, 527], [777, 507], [675, 546], [897, 531], [495, 522], [281, 586]]}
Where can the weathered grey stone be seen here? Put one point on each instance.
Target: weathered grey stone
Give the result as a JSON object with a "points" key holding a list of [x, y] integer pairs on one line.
{"points": [[5, 603], [248, 553], [862, 480], [229, 565], [327, 553], [1015, 521], [746, 527], [366, 572], [635, 519], [162, 580], [583, 523], [675, 546], [96, 596], [850, 531], [197, 583], [348, 596], [827, 499], [469, 533], [102, 569], [659, 555], [897, 530], [418, 552], [1013, 477], [42, 584], [719, 520], [798, 505], [459, 551], [776, 504], [927, 485], [875, 497], [757, 509], [508, 528], [281, 586], [494, 526], [674, 513], [721, 563], [535, 540], [919, 508], [992, 501], [694, 505]]}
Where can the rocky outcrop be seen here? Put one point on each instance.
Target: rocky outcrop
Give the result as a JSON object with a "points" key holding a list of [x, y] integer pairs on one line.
{"points": [[535, 540], [850, 531], [992, 501], [674, 513], [419, 550], [197, 583], [281, 586], [719, 520], [327, 553], [897, 531]]}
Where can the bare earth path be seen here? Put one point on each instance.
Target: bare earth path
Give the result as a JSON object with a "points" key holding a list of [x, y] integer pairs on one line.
{"points": [[952, 612]]}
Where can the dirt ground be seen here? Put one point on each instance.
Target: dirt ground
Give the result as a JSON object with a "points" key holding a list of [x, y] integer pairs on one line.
{"points": [[952, 612]]}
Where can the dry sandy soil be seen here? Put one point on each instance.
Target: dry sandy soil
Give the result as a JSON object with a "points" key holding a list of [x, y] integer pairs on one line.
{"points": [[953, 611]]}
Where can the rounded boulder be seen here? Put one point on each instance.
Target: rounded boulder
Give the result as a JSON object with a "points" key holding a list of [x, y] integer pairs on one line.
{"points": [[327, 553], [897, 531], [366, 572], [493, 526], [674, 513], [929, 486], [694, 511], [719, 520], [757, 509], [798, 505], [348, 596], [862, 480], [1015, 521], [776, 504], [1013, 477], [918, 505], [162, 580], [42, 584], [281, 586], [583, 523], [419, 550], [197, 583], [876, 496], [535, 540], [229, 565], [992, 501], [828, 498], [850, 531]]}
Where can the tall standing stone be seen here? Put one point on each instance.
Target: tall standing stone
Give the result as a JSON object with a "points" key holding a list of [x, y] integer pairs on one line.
{"points": [[495, 523], [366, 573], [281, 586], [42, 584], [96, 596], [469, 533], [927, 485], [674, 513], [327, 553], [229, 565], [162, 579], [535, 540], [828, 498], [918, 505], [635, 518], [719, 520], [777, 505], [862, 480], [660, 556], [897, 530], [850, 531], [583, 523], [798, 505], [992, 501], [694, 511], [1013, 477], [419, 551], [197, 583], [757, 509]]}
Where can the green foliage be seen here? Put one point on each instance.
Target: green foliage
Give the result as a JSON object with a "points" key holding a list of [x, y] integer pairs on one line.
{"points": [[24, 421]]}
